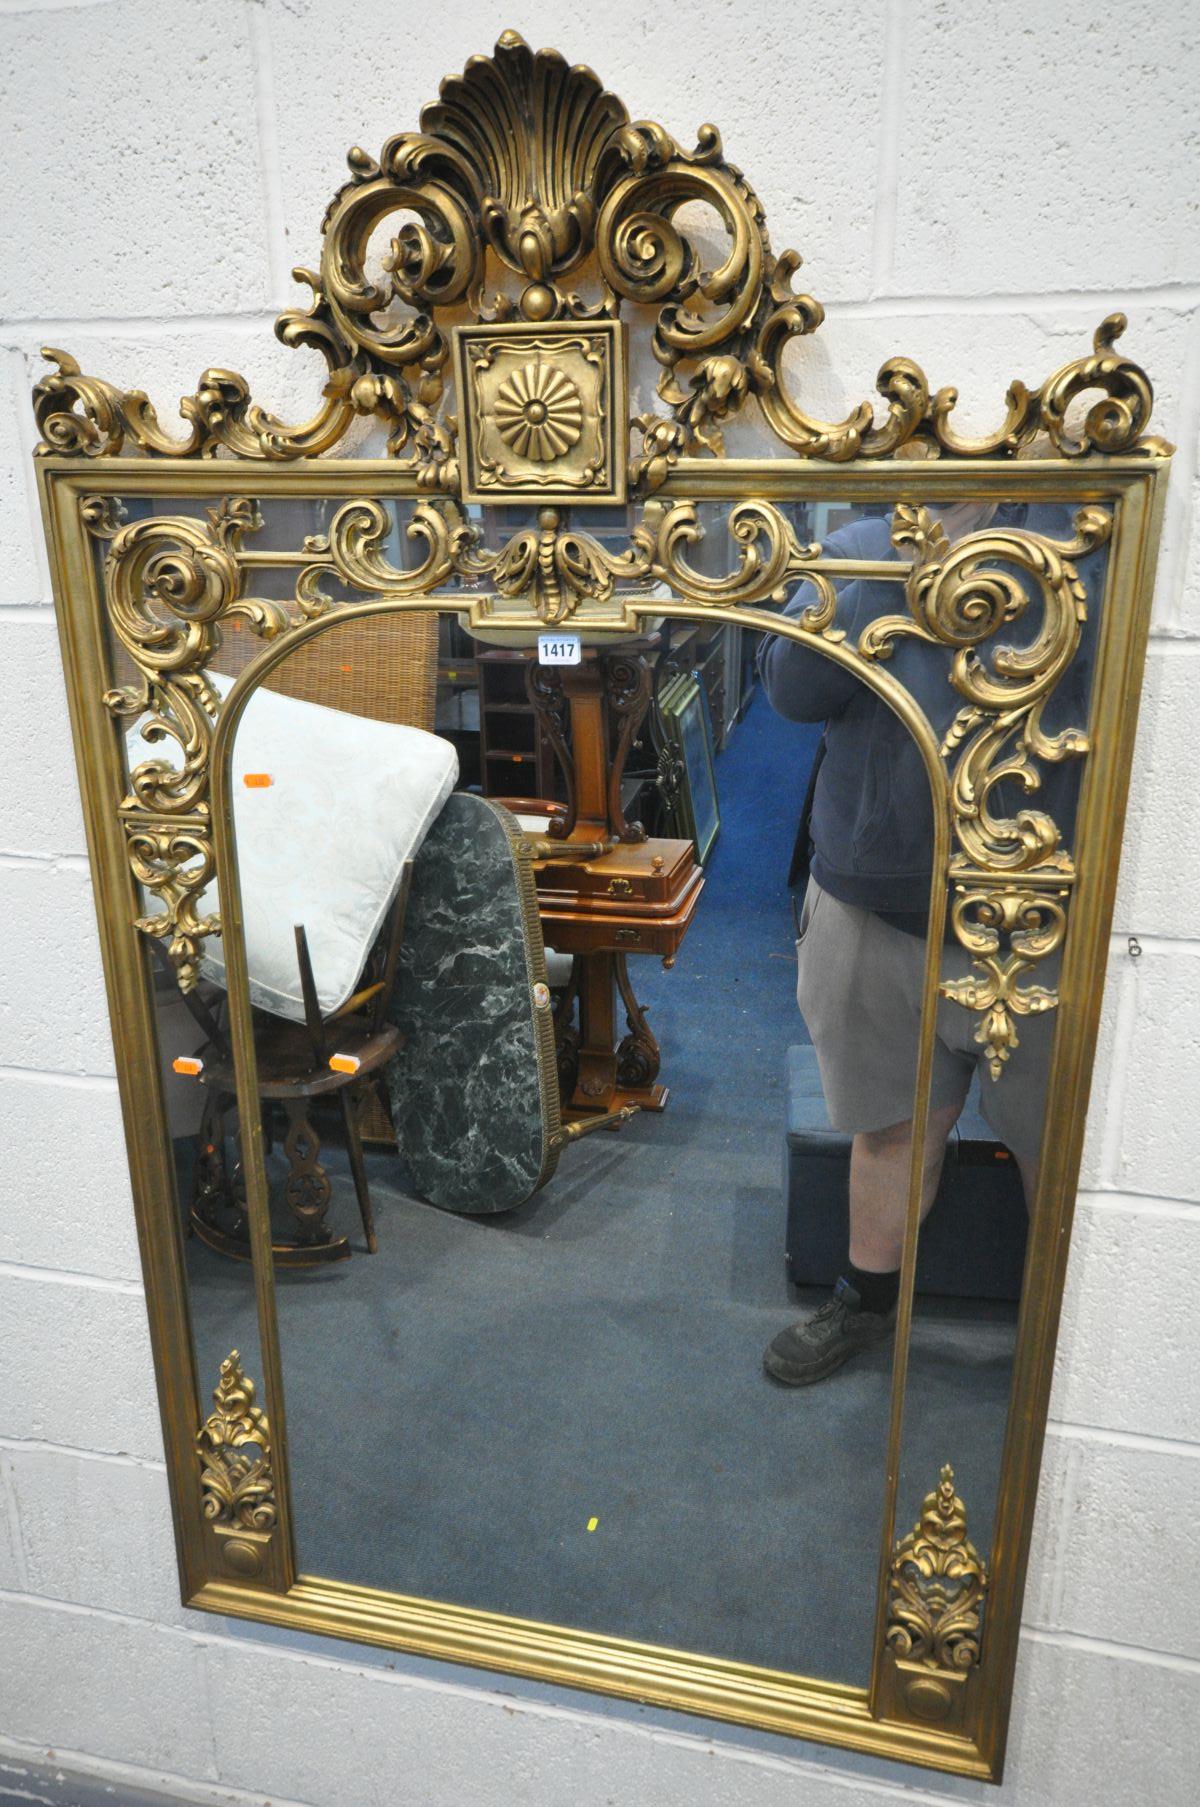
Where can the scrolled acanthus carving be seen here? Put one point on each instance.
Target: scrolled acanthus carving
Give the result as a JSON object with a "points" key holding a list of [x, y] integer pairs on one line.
{"points": [[937, 1587], [1011, 875], [237, 1485], [527, 165], [171, 583]]}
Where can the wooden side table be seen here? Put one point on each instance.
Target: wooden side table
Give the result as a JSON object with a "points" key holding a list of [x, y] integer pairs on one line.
{"points": [[639, 897]]}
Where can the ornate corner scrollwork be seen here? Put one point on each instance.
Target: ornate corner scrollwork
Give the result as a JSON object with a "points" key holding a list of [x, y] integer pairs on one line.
{"points": [[1011, 875], [527, 167], [169, 583], [237, 1485], [936, 1590]]}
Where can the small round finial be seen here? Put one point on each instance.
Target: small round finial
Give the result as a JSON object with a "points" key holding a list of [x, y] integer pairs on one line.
{"points": [[538, 301], [242, 1557], [928, 1699]]}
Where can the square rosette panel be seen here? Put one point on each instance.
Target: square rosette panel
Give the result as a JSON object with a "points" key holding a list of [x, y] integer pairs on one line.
{"points": [[544, 411]]}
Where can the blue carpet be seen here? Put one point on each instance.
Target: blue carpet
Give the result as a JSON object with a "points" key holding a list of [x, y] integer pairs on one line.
{"points": [[464, 1403]]}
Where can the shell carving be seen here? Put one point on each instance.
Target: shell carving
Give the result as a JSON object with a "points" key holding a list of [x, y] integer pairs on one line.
{"points": [[531, 129], [539, 412]]}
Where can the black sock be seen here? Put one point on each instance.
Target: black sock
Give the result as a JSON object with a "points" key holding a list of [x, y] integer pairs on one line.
{"points": [[876, 1292]]}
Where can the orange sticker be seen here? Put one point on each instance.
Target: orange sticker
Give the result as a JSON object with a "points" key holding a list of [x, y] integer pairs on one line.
{"points": [[345, 668], [257, 781], [344, 1063], [188, 1063]]}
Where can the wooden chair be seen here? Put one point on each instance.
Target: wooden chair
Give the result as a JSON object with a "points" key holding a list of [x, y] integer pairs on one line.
{"points": [[299, 1064], [384, 669]]}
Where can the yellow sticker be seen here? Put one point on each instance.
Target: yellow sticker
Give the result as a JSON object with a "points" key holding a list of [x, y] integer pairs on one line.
{"points": [[592, 1523]]}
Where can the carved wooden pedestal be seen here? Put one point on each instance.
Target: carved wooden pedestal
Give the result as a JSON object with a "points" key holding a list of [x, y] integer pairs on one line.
{"points": [[639, 897]]}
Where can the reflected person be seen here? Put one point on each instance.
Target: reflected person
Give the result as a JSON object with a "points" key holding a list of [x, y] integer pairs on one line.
{"points": [[862, 929]]}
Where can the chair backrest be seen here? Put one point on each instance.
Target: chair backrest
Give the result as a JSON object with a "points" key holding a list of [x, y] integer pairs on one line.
{"points": [[384, 668]]}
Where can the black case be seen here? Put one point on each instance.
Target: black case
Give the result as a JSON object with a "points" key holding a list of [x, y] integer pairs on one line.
{"points": [[972, 1243]]}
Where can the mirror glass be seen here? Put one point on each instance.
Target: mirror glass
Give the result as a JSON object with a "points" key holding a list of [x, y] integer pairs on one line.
{"points": [[587, 1015], [992, 1063]]}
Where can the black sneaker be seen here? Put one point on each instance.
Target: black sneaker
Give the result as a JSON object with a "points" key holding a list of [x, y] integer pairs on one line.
{"points": [[817, 1346]]}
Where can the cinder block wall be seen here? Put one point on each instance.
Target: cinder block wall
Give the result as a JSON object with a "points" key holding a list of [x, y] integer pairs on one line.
{"points": [[972, 182]]}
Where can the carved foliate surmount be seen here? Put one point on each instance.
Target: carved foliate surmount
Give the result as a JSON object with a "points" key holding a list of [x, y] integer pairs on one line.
{"points": [[527, 176]]}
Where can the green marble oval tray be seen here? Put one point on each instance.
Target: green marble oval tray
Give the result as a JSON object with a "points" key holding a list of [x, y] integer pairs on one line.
{"points": [[474, 1089]]}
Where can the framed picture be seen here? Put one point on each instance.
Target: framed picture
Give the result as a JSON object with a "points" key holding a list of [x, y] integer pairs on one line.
{"points": [[695, 810]]}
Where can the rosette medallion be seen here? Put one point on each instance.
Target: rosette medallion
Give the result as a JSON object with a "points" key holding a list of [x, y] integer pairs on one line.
{"points": [[539, 412], [544, 411]]}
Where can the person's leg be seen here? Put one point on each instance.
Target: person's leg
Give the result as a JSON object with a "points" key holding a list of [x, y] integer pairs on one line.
{"points": [[859, 985], [863, 1305], [879, 1161]]}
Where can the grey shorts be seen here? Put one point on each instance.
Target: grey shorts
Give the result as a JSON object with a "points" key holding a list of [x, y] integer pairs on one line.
{"points": [[858, 985]]}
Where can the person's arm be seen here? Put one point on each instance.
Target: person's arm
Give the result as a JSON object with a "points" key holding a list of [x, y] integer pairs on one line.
{"points": [[801, 683]]}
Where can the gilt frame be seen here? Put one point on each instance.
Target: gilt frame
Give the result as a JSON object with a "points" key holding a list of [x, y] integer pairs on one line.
{"points": [[166, 593]]}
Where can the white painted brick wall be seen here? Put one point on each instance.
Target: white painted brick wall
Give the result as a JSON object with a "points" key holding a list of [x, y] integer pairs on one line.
{"points": [[976, 182]]}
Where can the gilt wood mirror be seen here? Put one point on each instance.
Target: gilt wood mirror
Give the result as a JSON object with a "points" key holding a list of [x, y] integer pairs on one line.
{"points": [[604, 881]]}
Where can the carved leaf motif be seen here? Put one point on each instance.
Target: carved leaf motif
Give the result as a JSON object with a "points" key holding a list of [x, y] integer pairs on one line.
{"points": [[938, 1583], [234, 1448], [1012, 874], [531, 160]]}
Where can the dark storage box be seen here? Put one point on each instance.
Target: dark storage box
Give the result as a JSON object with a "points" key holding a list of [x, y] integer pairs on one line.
{"points": [[973, 1241]]}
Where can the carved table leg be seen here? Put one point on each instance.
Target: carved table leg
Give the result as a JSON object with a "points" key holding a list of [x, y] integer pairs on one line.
{"points": [[601, 1085], [638, 1056]]}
